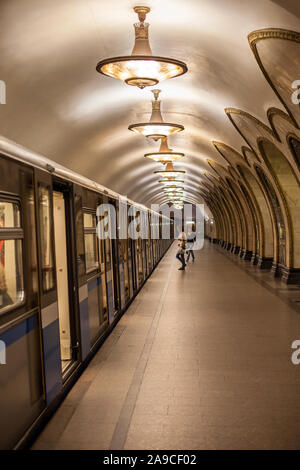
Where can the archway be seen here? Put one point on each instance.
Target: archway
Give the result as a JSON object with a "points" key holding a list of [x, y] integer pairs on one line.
{"points": [[294, 145], [266, 237], [256, 241], [288, 187]]}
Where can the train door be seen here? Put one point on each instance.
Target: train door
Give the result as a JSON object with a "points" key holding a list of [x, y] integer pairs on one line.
{"points": [[139, 254], [135, 264], [149, 246], [129, 260], [121, 256], [111, 253], [103, 297], [63, 262], [131, 266], [145, 242], [132, 255], [95, 270], [126, 270], [115, 266]]}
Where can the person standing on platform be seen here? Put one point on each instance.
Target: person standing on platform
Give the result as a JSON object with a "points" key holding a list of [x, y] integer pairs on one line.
{"points": [[191, 238], [181, 250]]}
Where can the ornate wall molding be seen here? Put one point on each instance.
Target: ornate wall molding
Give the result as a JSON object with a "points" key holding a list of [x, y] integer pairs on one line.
{"points": [[273, 33]]}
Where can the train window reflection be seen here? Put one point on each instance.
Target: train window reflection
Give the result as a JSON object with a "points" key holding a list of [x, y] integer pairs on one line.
{"points": [[11, 253]]}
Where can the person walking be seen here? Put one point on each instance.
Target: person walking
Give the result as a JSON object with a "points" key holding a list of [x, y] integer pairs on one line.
{"points": [[181, 250], [191, 238]]}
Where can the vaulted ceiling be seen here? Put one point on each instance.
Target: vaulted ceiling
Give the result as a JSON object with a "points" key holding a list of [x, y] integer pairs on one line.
{"points": [[58, 105]]}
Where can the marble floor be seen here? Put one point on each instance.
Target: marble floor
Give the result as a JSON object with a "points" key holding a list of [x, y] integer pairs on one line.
{"points": [[201, 360]]}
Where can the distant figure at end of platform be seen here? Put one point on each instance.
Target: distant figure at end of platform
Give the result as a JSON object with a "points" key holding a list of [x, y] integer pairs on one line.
{"points": [[191, 238], [181, 250]]}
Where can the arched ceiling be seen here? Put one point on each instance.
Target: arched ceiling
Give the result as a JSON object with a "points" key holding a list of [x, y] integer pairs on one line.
{"points": [[59, 106]]}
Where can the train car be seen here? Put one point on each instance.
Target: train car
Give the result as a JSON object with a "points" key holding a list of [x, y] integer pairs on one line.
{"points": [[62, 286]]}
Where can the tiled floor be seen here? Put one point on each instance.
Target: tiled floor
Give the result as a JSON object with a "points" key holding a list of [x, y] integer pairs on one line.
{"points": [[201, 360]]}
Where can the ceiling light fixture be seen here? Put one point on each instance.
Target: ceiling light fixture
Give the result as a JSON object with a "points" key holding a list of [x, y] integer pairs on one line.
{"points": [[170, 172], [141, 68], [176, 201], [164, 155], [174, 188], [173, 192], [156, 127], [172, 182]]}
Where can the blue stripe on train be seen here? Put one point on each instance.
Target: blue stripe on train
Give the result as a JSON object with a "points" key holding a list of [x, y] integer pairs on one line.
{"points": [[94, 283], [17, 332], [52, 360]]}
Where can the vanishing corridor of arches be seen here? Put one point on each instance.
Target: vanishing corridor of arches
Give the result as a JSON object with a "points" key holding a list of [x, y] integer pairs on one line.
{"points": [[237, 103]]}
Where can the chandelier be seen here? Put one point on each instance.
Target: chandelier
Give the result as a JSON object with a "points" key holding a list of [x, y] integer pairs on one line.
{"points": [[141, 68], [172, 182], [170, 172], [178, 203], [174, 196], [156, 127], [164, 155], [170, 190], [173, 188]]}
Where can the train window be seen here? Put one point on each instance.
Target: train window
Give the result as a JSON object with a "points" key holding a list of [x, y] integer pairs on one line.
{"points": [[89, 220], [9, 215], [48, 278], [11, 256], [90, 242]]}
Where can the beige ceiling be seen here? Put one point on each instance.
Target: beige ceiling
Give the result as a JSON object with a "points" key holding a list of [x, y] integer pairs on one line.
{"points": [[58, 105]]}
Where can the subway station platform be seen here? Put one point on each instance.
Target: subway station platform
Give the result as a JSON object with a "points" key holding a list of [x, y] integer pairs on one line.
{"points": [[201, 360]]}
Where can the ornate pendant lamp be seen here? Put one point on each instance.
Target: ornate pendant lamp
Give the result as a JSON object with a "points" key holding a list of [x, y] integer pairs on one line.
{"points": [[173, 188], [177, 203], [141, 68], [156, 127], [170, 172], [172, 196], [173, 191], [164, 155], [172, 182]]}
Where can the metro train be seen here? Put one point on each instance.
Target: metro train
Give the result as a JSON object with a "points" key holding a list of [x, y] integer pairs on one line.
{"points": [[62, 288]]}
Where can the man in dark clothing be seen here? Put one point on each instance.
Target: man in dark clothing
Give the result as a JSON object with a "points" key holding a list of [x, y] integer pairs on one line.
{"points": [[181, 250]]}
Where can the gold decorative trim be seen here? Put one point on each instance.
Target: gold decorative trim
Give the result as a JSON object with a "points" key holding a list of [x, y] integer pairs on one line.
{"points": [[229, 149], [273, 33], [289, 136], [230, 111], [272, 113], [246, 150]]}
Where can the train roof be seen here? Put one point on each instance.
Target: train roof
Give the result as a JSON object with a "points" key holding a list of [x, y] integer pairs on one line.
{"points": [[22, 154]]}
